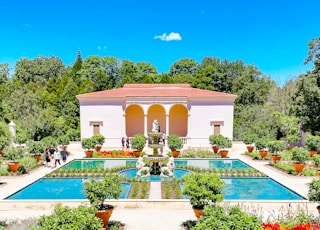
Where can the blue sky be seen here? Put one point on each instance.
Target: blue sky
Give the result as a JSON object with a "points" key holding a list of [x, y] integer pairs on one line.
{"points": [[270, 34]]}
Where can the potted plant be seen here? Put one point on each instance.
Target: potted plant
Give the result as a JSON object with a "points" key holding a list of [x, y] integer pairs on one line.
{"points": [[249, 139], [314, 192], [312, 143], [174, 144], [137, 144], [13, 154], [97, 191], [99, 140], [261, 145], [299, 155], [36, 149], [275, 148], [292, 140], [225, 143], [4, 142], [88, 145], [64, 141], [316, 162], [215, 141], [202, 189], [49, 141]]}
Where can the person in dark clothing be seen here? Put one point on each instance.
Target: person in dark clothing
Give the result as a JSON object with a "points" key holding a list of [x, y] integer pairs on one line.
{"points": [[64, 155]]}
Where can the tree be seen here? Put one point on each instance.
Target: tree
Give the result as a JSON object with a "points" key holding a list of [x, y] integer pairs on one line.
{"points": [[38, 70], [251, 87], [183, 66], [314, 51], [307, 103]]}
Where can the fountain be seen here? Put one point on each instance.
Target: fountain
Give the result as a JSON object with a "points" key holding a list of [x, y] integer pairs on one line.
{"points": [[155, 161]]}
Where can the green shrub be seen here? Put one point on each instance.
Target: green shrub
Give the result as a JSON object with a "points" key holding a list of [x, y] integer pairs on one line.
{"points": [[300, 155], [275, 147], [217, 217], [98, 139], [249, 138], [36, 148], [63, 140], [13, 153], [65, 218], [49, 141], [203, 188], [314, 190], [20, 138], [316, 160], [312, 142], [28, 163], [174, 142], [138, 142]]}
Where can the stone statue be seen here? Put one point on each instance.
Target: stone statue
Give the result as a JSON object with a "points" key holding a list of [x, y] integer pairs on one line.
{"points": [[155, 126], [167, 171], [143, 170]]}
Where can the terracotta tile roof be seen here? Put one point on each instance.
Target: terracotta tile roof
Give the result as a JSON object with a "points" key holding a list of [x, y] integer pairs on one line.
{"points": [[156, 90]]}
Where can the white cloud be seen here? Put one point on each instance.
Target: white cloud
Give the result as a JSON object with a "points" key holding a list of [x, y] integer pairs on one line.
{"points": [[100, 48], [170, 37]]}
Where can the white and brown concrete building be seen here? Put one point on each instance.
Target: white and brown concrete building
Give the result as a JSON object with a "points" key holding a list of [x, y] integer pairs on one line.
{"points": [[193, 114]]}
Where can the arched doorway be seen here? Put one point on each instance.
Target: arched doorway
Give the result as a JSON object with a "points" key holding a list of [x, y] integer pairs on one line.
{"points": [[178, 120], [134, 120], [157, 112]]}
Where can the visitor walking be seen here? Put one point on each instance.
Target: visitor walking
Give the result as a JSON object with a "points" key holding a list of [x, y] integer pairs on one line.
{"points": [[128, 144], [163, 138], [123, 142], [64, 154], [47, 157], [57, 157]]}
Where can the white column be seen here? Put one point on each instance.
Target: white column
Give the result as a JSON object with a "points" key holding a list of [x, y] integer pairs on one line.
{"points": [[145, 125], [189, 124], [167, 124], [124, 125]]}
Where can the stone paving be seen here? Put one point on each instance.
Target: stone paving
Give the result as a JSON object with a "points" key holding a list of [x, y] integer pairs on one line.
{"points": [[153, 213]]}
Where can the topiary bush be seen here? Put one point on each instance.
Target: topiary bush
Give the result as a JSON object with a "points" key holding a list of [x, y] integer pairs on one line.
{"points": [[65, 218], [217, 217]]}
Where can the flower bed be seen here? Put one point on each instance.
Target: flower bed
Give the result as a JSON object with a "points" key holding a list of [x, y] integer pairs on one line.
{"points": [[114, 153], [300, 226]]}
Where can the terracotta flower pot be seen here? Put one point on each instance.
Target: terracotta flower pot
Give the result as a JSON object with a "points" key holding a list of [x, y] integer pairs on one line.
{"points": [[313, 153], [263, 153], [89, 153], [37, 157], [318, 173], [175, 153], [13, 166], [137, 153], [104, 215], [298, 167], [197, 212], [215, 149], [98, 148], [224, 153], [250, 148], [275, 158]]}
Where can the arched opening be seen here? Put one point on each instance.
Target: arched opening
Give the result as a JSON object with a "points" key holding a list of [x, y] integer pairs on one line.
{"points": [[157, 112], [178, 120], [134, 120]]}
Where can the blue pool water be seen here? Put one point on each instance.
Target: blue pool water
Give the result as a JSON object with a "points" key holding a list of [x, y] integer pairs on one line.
{"points": [[260, 188], [59, 189], [213, 163], [131, 173], [202, 163], [236, 188]]}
